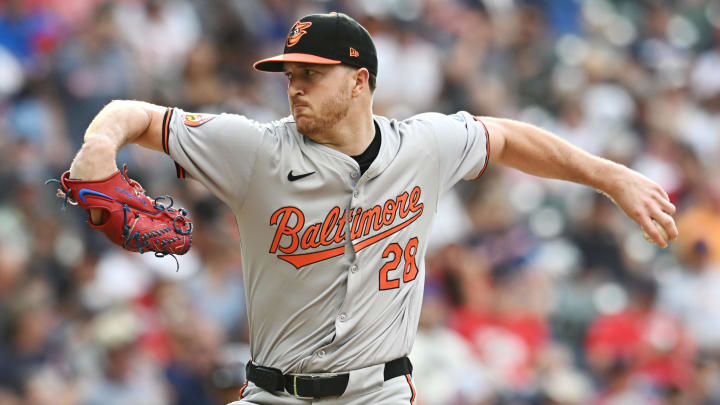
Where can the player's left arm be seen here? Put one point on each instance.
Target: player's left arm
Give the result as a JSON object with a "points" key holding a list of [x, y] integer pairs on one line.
{"points": [[540, 153]]}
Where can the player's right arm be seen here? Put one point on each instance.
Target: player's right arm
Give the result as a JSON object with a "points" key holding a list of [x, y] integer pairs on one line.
{"points": [[120, 123]]}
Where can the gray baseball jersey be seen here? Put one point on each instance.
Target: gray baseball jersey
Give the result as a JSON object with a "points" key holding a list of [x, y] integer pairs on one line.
{"points": [[333, 261]]}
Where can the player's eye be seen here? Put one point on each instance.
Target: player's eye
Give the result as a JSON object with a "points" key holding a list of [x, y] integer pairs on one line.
{"points": [[310, 72], [288, 75]]}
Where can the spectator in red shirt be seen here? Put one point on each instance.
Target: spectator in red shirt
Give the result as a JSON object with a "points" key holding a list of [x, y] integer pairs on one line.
{"points": [[504, 331], [653, 346]]}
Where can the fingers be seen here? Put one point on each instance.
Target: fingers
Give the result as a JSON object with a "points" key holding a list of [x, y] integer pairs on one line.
{"points": [[662, 215], [668, 224], [659, 195], [666, 205], [665, 219], [649, 205], [653, 234], [660, 227]]}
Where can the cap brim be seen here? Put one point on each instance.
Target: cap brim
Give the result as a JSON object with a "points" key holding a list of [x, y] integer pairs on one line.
{"points": [[275, 64]]}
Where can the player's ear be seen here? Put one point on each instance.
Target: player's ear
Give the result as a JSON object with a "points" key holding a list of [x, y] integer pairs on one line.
{"points": [[361, 77]]}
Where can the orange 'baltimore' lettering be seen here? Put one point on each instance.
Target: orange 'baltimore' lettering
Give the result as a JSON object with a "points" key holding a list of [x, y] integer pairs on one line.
{"points": [[310, 236], [401, 200], [283, 215], [355, 229], [389, 212], [371, 217], [329, 225], [290, 222]]}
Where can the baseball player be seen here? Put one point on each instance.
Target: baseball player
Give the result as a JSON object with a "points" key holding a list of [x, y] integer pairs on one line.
{"points": [[333, 206]]}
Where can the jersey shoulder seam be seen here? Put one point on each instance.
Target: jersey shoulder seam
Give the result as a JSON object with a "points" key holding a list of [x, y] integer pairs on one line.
{"points": [[436, 144], [265, 129]]}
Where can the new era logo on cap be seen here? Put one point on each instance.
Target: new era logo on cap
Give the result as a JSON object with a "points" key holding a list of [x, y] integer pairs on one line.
{"points": [[329, 39]]}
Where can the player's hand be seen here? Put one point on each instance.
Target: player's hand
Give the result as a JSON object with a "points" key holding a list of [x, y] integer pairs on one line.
{"points": [[644, 201]]}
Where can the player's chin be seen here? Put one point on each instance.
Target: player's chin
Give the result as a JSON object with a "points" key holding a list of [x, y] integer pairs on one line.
{"points": [[304, 123]]}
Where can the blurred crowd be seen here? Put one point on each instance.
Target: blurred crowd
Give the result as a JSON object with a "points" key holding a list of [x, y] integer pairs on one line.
{"points": [[538, 292]]}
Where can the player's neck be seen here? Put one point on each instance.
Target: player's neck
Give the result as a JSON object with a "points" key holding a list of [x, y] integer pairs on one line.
{"points": [[352, 135]]}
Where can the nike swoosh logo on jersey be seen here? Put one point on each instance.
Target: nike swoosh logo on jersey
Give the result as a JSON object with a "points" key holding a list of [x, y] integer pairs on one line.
{"points": [[84, 191], [292, 177]]}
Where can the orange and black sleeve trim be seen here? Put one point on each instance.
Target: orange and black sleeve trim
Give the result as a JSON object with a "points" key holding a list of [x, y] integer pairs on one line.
{"points": [[487, 147], [166, 129], [179, 170]]}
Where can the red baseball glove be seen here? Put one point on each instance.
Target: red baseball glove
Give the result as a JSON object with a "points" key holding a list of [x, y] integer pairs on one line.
{"points": [[129, 217]]}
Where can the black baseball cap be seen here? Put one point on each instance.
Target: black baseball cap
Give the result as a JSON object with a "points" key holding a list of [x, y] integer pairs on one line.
{"points": [[326, 39]]}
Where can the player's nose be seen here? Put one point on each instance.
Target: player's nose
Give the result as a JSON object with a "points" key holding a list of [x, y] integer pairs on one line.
{"points": [[295, 88]]}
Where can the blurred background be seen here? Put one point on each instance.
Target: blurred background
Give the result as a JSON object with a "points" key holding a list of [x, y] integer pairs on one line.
{"points": [[538, 292]]}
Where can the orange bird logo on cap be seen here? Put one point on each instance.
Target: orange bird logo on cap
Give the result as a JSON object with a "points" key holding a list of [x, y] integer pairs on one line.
{"points": [[297, 32]]}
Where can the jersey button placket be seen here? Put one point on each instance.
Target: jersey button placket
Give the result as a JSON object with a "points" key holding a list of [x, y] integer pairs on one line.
{"points": [[321, 353], [356, 194], [353, 268], [342, 317]]}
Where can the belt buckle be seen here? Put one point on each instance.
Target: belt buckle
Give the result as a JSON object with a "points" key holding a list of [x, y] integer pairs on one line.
{"points": [[294, 393]]}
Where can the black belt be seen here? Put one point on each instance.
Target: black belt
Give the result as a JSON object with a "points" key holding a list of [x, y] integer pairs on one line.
{"points": [[272, 379]]}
